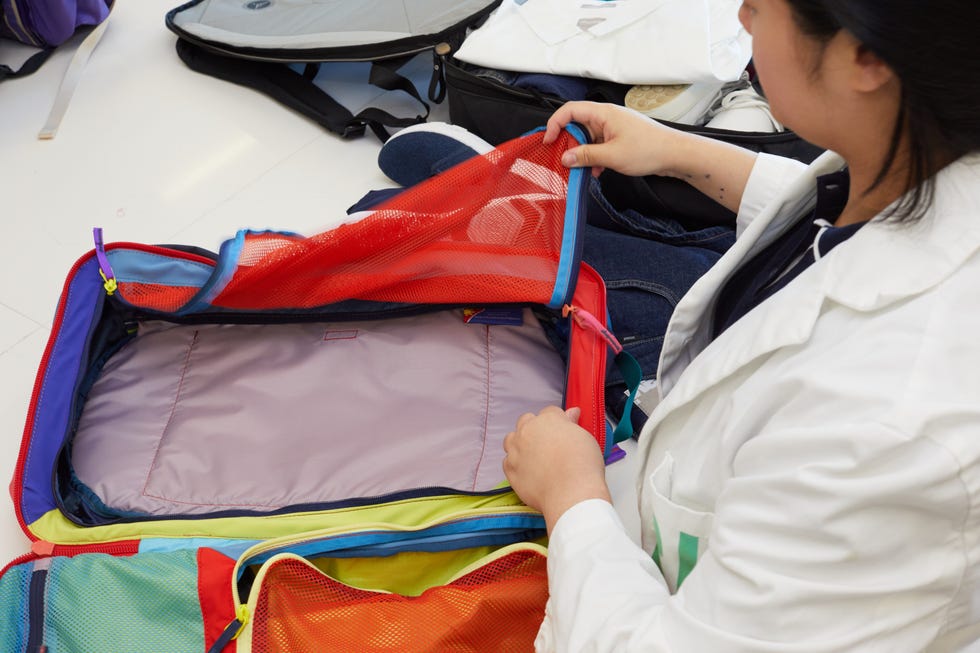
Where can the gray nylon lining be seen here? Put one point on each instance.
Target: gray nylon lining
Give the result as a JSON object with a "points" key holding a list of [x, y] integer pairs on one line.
{"points": [[195, 419], [309, 24]]}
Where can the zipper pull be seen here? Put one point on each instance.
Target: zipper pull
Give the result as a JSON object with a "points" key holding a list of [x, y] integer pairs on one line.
{"points": [[437, 83], [232, 630], [589, 322], [241, 616], [42, 547], [105, 270]]}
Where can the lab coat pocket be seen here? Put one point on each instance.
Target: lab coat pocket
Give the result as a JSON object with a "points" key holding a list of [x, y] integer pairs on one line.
{"points": [[676, 534]]}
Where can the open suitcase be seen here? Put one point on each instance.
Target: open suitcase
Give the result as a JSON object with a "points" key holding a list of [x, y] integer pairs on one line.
{"points": [[295, 444]]}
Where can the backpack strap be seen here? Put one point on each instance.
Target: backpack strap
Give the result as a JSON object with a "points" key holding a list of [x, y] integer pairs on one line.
{"points": [[30, 66], [73, 75], [298, 91], [633, 375]]}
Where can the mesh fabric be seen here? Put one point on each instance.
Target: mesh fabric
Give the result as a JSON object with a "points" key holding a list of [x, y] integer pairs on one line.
{"points": [[497, 607], [486, 231], [14, 586], [156, 296], [146, 603]]}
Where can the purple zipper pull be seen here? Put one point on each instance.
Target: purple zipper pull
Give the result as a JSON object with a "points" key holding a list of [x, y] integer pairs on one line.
{"points": [[105, 270], [588, 321]]}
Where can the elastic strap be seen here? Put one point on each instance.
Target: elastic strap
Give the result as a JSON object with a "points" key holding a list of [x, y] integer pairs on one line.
{"points": [[70, 81], [299, 92], [633, 375]]}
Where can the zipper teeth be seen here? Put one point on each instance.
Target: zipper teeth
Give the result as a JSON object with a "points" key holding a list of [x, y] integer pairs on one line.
{"points": [[35, 610], [27, 557], [431, 492], [120, 548], [287, 541]]}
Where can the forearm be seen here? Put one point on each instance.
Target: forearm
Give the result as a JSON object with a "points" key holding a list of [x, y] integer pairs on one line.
{"points": [[717, 169], [606, 593]]}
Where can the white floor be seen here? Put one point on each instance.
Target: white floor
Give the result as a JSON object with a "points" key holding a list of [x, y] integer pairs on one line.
{"points": [[152, 152]]}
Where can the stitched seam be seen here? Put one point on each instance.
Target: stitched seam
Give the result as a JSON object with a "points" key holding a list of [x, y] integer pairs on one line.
{"points": [[213, 504], [173, 410], [627, 344], [642, 284], [486, 410]]}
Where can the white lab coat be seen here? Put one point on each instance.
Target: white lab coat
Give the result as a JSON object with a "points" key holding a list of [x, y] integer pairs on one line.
{"points": [[820, 459]]}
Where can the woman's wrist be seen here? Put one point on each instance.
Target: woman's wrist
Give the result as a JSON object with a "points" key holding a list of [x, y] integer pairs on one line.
{"points": [[683, 154], [566, 498]]}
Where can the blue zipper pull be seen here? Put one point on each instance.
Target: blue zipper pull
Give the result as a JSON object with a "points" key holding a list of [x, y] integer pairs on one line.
{"points": [[105, 270]]}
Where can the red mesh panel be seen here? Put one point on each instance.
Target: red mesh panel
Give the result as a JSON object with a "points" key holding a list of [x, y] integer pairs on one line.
{"points": [[156, 296], [488, 231], [498, 607], [257, 246]]}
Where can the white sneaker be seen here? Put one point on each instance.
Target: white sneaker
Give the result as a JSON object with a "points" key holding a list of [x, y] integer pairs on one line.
{"points": [[682, 103], [743, 110]]}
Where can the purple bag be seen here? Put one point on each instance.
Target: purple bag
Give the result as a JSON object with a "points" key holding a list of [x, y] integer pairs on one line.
{"points": [[48, 23]]}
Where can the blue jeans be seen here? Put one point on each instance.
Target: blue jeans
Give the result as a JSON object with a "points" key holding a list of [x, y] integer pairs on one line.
{"points": [[648, 263]]}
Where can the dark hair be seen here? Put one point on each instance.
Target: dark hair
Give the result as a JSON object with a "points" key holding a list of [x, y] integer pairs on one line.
{"points": [[931, 47]]}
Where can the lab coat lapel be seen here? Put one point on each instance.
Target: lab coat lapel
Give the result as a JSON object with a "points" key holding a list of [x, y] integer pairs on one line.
{"points": [[900, 260], [783, 320], [689, 331]]}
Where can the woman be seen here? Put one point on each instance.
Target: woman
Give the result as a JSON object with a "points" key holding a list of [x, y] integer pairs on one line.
{"points": [[810, 480]]}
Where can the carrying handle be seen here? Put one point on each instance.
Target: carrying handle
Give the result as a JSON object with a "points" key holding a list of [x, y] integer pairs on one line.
{"points": [[437, 84]]}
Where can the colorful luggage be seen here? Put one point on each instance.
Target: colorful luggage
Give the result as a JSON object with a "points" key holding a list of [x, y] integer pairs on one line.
{"points": [[297, 404]]}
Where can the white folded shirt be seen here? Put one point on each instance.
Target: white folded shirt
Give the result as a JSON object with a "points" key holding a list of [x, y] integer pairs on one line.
{"points": [[625, 41]]}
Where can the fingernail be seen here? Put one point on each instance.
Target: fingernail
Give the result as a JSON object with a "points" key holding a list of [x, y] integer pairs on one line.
{"points": [[569, 159]]}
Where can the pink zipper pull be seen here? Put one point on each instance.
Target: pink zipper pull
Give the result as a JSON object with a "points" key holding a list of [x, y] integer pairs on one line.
{"points": [[588, 321]]}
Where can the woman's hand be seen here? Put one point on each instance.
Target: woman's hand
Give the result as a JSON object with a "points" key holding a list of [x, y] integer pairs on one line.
{"points": [[622, 139], [628, 142], [552, 463]]}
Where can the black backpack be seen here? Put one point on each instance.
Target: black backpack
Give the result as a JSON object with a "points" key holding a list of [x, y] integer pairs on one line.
{"points": [[279, 48]]}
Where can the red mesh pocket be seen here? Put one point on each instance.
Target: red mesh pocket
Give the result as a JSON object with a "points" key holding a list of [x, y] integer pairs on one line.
{"points": [[498, 607], [156, 296], [488, 231]]}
